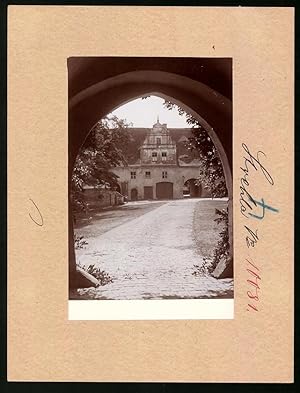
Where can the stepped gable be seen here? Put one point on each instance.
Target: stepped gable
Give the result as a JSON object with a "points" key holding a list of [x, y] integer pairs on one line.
{"points": [[139, 134]]}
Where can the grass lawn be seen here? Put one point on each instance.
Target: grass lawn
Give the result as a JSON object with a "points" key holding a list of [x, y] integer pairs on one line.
{"points": [[206, 230]]}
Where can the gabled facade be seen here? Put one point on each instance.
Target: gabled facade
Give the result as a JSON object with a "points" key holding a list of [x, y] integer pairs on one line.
{"points": [[165, 169], [158, 147]]}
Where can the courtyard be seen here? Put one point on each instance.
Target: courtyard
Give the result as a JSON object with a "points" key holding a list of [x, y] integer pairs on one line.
{"points": [[150, 249]]}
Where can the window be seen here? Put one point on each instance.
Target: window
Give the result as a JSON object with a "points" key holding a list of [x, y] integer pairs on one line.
{"points": [[164, 174], [164, 156], [158, 141], [148, 175], [154, 156], [133, 175]]}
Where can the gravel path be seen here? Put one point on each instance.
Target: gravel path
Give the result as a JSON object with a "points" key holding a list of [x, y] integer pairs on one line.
{"points": [[153, 257], [96, 223]]}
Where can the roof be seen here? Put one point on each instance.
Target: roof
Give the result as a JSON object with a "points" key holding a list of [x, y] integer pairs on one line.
{"points": [[178, 135]]}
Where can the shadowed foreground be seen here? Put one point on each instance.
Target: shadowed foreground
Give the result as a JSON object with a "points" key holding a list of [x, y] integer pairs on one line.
{"points": [[152, 256]]}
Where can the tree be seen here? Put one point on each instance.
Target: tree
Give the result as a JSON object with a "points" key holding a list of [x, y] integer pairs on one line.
{"points": [[211, 175], [103, 149]]}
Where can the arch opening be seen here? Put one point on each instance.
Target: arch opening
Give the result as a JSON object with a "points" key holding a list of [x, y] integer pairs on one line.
{"points": [[192, 189], [212, 133], [118, 101]]}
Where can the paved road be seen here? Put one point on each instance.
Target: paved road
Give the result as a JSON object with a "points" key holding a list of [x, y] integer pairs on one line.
{"points": [[96, 223], [153, 257]]}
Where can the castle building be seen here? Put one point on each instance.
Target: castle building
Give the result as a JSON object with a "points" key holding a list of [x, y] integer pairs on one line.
{"points": [[161, 167]]}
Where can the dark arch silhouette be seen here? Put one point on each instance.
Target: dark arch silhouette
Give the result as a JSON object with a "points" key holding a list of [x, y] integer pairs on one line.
{"points": [[98, 91]]}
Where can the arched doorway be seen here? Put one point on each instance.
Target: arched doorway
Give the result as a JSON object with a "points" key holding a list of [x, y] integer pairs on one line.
{"points": [[191, 189], [164, 190], [101, 93], [134, 194]]}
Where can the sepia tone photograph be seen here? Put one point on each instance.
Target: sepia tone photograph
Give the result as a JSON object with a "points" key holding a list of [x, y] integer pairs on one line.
{"points": [[150, 178]]}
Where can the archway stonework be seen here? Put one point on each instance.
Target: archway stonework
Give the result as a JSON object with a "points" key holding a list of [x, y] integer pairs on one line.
{"points": [[212, 109]]}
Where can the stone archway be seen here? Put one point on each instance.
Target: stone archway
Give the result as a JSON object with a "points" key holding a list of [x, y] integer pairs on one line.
{"points": [[208, 106], [194, 190]]}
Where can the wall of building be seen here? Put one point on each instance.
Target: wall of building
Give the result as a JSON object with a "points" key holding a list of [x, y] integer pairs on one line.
{"points": [[169, 150], [175, 174], [158, 142], [99, 198]]}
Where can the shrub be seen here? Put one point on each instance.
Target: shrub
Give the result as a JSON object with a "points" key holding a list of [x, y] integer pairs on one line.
{"points": [[79, 242], [222, 248], [103, 277]]}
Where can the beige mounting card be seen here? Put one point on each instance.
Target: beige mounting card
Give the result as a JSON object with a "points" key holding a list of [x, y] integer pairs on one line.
{"points": [[43, 344]]}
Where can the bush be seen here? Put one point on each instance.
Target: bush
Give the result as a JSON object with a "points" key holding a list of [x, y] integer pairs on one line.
{"points": [[79, 242], [103, 277], [222, 248]]}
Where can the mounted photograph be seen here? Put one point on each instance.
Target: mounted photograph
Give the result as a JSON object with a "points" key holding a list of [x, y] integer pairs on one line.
{"points": [[150, 179]]}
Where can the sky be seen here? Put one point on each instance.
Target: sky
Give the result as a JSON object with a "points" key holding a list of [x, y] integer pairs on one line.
{"points": [[143, 113]]}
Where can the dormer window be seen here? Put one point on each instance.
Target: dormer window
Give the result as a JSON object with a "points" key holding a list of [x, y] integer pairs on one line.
{"points": [[154, 156]]}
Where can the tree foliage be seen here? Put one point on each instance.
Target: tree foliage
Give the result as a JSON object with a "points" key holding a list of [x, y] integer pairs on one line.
{"points": [[222, 248], [103, 149], [211, 175]]}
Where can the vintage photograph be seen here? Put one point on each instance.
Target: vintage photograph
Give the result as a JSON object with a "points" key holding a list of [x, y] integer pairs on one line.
{"points": [[150, 178], [150, 218]]}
